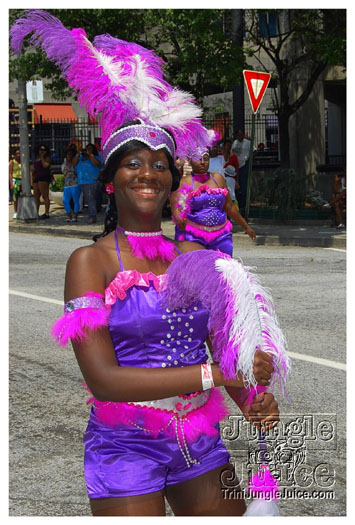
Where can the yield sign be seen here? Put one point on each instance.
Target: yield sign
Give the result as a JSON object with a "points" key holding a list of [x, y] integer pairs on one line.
{"points": [[257, 83]]}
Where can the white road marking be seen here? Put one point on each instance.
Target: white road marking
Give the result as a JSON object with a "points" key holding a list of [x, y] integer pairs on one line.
{"points": [[294, 355], [335, 249], [318, 360], [36, 297]]}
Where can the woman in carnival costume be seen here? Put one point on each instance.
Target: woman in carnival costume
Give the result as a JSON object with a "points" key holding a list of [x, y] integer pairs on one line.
{"points": [[153, 430], [201, 207]]}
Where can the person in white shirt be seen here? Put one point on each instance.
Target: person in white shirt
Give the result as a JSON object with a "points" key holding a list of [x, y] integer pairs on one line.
{"points": [[241, 147], [216, 161]]}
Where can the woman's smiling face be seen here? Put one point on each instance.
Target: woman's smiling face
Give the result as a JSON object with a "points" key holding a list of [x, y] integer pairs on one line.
{"points": [[142, 181]]}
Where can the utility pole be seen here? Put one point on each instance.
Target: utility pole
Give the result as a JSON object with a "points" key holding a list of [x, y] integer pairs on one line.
{"points": [[27, 210], [238, 89]]}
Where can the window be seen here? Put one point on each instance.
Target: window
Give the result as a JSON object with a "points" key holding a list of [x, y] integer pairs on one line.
{"points": [[267, 22]]}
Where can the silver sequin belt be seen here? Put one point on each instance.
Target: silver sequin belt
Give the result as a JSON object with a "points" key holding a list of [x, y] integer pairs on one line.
{"points": [[181, 406], [207, 228]]}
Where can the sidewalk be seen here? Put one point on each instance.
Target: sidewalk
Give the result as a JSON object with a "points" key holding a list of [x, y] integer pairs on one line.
{"points": [[299, 233]]}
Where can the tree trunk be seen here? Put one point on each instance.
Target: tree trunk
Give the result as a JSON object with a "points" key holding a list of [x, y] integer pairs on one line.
{"points": [[284, 140], [27, 210], [24, 147], [238, 89]]}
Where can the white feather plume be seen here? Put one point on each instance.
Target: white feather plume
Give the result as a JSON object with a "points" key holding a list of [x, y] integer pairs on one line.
{"points": [[253, 318]]}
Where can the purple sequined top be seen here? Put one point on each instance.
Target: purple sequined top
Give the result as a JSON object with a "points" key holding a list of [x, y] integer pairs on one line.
{"points": [[203, 206], [144, 334], [207, 209]]}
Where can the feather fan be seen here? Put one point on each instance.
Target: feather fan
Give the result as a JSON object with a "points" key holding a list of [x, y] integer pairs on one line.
{"points": [[242, 317]]}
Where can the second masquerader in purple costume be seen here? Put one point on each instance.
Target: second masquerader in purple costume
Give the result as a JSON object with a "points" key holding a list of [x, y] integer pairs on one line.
{"points": [[201, 207]]}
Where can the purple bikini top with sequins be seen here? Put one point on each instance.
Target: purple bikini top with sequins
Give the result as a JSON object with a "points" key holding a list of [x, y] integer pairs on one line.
{"points": [[206, 206], [143, 332]]}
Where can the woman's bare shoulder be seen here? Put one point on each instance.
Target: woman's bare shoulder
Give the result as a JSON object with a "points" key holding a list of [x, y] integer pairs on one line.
{"points": [[87, 269], [219, 179]]}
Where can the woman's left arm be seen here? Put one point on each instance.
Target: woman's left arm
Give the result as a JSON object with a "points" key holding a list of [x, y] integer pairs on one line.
{"points": [[232, 211]]}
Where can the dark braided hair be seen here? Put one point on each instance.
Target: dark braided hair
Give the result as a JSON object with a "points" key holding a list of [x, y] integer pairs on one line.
{"points": [[108, 172]]}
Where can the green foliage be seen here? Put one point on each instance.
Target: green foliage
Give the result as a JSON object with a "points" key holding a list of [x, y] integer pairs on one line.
{"points": [[121, 23], [288, 192], [323, 33], [305, 43], [191, 41], [59, 182]]}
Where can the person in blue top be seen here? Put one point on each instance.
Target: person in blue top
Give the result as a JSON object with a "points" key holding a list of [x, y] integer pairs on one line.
{"points": [[88, 166]]}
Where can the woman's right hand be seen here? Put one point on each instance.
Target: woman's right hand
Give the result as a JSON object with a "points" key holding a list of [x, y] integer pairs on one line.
{"points": [[262, 368]]}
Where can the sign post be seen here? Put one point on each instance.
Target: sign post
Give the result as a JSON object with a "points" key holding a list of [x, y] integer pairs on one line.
{"points": [[256, 82], [27, 210]]}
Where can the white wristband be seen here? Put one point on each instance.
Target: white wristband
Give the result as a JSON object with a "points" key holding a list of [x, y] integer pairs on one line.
{"points": [[207, 376]]}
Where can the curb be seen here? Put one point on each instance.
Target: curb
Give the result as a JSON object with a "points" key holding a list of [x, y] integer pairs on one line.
{"points": [[239, 238], [79, 234]]}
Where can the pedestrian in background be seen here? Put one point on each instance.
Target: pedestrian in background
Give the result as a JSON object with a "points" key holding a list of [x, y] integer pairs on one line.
{"points": [[41, 178], [338, 201], [216, 160], [15, 179], [72, 189], [88, 166], [241, 147], [226, 146]]}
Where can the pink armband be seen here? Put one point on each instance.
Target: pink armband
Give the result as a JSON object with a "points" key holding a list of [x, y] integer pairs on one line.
{"points": [[81, 315], [206, 376]]}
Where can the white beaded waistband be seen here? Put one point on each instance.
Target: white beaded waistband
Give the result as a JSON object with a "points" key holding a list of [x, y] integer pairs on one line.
{"points": [[207, 228], [180, 405]]}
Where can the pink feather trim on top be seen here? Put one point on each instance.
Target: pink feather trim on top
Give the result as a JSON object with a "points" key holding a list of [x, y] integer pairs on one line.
{"points": [[202, 420], [128, 278], [204, 188]]}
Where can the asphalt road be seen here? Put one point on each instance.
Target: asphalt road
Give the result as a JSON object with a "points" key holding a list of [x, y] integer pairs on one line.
{"points": [[48, 414]]}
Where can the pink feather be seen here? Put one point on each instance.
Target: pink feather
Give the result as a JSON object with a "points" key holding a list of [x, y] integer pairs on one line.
{"points": [[77, 324], [208, 236], [263, 484], [152, 248], [202, 420]]}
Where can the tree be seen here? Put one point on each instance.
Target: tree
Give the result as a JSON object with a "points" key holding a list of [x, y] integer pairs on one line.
{"points": [[305, 40], [199, 57], [122, 23]]}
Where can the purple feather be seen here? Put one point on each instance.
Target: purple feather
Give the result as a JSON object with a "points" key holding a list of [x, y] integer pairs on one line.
{"points": [[48, 32], [102, 74]]}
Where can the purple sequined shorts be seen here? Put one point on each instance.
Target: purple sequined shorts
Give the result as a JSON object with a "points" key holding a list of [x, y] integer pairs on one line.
{"points": [[128, 462]]}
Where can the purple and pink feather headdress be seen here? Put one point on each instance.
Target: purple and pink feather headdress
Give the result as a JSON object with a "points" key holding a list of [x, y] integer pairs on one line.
{"points": [[117, 82]]}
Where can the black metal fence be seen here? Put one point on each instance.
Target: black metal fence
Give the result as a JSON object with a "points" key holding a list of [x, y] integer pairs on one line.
{"points": [[58, 134], [266, 130]]}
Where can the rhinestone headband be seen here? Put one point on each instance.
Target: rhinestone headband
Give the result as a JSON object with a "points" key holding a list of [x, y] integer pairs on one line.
{"points": [[154, 137]]}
